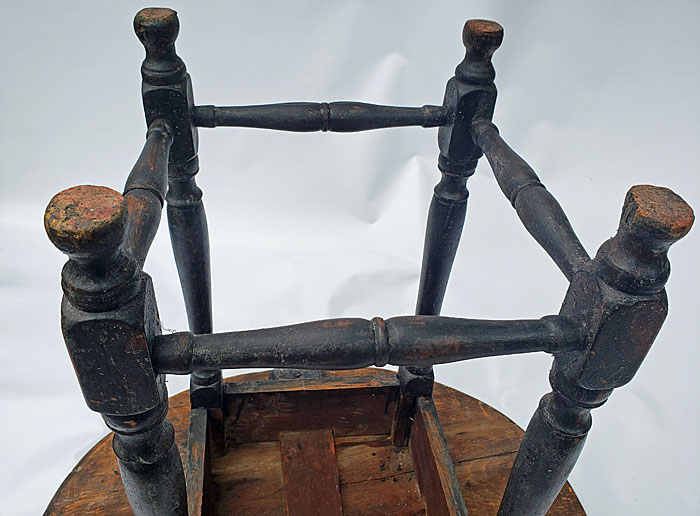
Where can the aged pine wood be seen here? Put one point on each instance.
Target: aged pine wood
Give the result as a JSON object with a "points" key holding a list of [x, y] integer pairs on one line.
{"points": [[198, 466], [376, 478], [310, 473], [339, 380], [355, 407], [437, 481]]}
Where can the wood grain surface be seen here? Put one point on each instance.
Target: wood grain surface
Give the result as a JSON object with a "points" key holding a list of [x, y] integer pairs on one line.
{"points": [[310, 473], [375, 477], [437, 480]]}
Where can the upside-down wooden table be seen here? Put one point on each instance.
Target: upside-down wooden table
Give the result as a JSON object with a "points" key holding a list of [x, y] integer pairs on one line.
{"points": [[374, 478], [319, 434]]}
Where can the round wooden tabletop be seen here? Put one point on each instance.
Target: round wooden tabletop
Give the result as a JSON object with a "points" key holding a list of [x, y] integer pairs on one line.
{"points": [[482, 443]]}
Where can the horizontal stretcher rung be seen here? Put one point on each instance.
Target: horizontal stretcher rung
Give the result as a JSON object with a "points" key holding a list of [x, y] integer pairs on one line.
{"points": [[342, 117], [355, 343]]}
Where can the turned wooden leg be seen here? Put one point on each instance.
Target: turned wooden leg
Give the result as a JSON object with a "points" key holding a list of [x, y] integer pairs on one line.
{"points": [[109, 319], [167, 94], [551, 446], [444, 229], [469, 92], [620, 297], [190, 240], [149, 463]]}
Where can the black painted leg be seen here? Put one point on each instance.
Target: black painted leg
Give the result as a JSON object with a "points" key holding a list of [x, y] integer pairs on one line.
{"points": [[552, 443], [149, 462], [154, 480], [621, 299], [446, 217], [190, 240], [110, 318], [469, 92]]}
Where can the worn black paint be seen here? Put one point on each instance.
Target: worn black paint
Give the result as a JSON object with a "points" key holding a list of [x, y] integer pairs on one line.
{"points": [[622, 312], [418, 341], [613, 310], [151, 470], [167, 94], [339, 117], [538, 210], [147, 185], [463, 100]]}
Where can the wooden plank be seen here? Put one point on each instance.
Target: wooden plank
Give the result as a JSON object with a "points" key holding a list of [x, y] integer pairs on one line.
{"points": [[247, 481], [483, 482], [395, 496], [473, 429], [376, 478], [438, 483], [310, 473], [296, 374], [356, 411], [216, 431], [307, 383], [198, 461], [365, 457]]}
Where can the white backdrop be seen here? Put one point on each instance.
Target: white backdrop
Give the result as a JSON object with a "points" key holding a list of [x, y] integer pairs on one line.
{"points": [[597, 96]]}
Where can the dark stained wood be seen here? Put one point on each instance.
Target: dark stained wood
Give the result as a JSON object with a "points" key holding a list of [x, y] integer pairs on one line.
{"points": [[335, 344], [621, 298], [109, 317], [537, 208], [216, 431], [198, 466], [248, 480], [310, 473], [327, 381], [145, 189], [612, 312], [94, 486], [457, 162], [376, 478], [438, 483], [413, 383], [346, 405], [167, 94], [340, 117]]}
